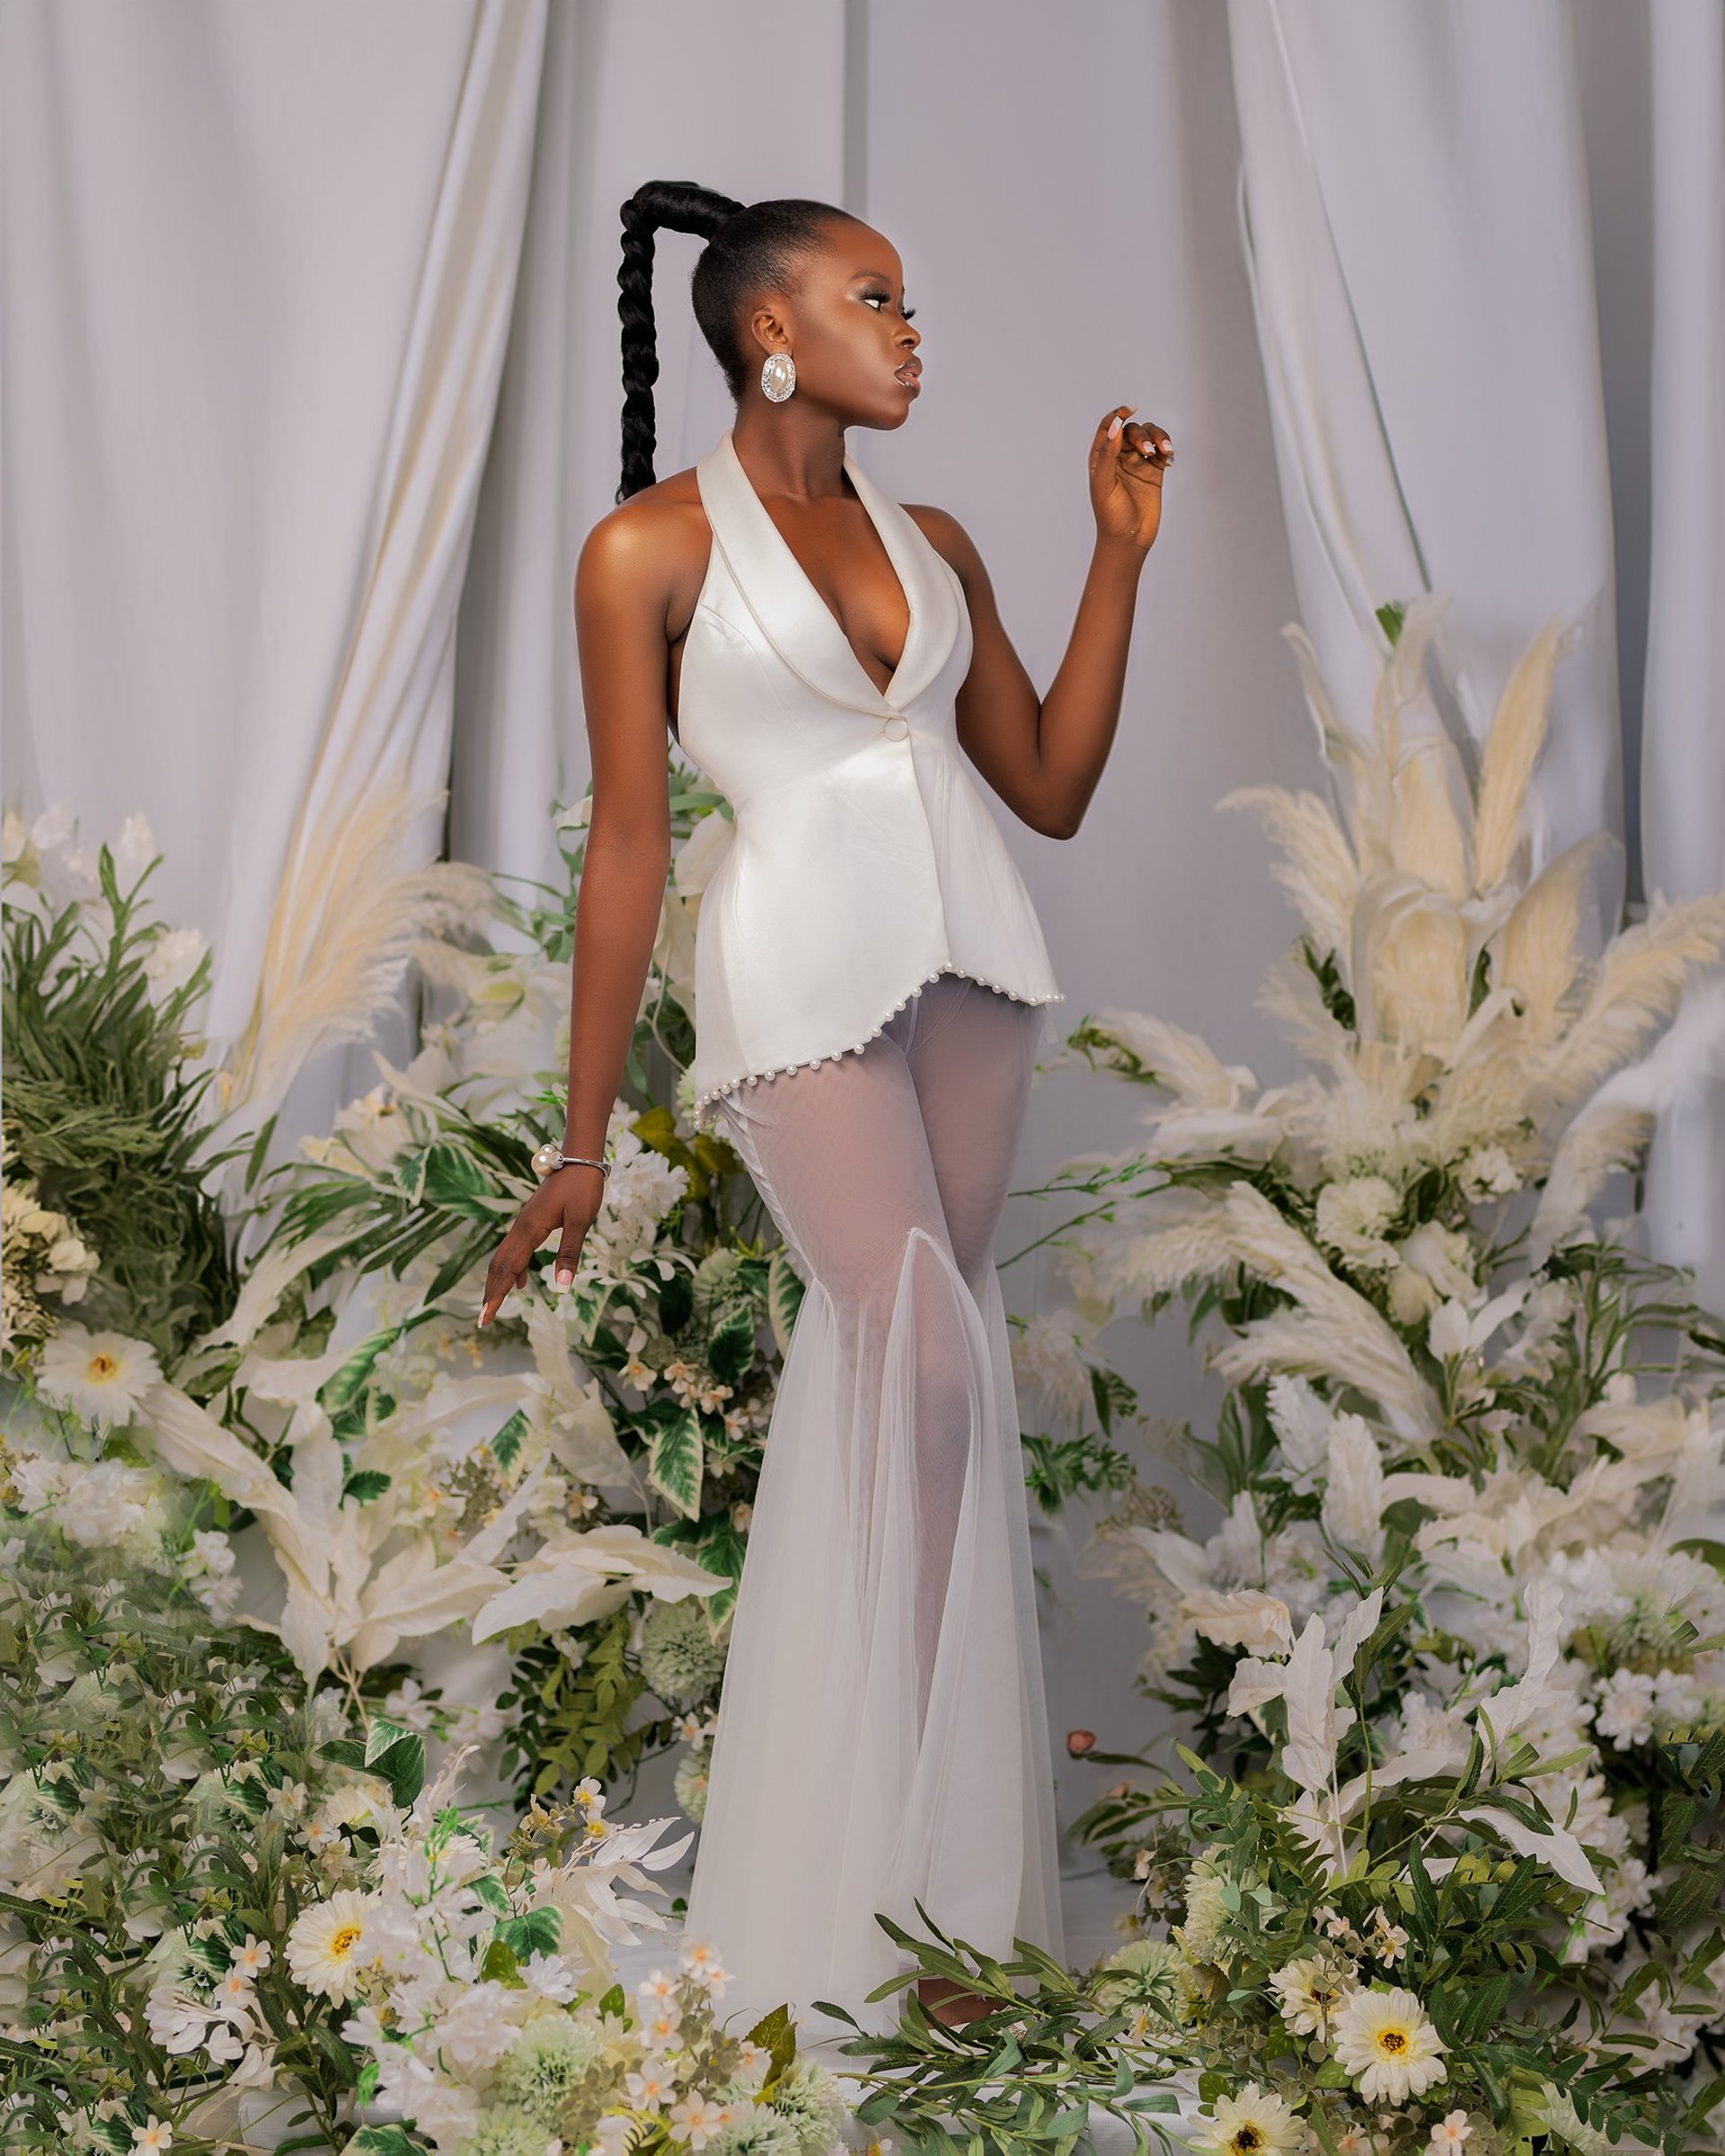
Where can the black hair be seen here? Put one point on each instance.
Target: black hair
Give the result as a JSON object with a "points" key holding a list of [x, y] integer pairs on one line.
{"points": [[750, 248]]}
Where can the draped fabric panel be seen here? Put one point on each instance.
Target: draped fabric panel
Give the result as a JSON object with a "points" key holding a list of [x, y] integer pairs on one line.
{"points": [[1683, 736], [260, 268], [634, 89], [1414, 214]]}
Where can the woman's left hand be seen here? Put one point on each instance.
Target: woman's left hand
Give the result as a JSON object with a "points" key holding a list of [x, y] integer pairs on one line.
{"points": [[1126, 461]]}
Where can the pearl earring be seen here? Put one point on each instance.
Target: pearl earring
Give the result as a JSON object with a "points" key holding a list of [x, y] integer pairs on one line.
{"points": [[778, 376]]}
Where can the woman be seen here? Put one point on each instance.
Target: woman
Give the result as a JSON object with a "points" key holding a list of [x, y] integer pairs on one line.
{"points": [[872, 990]]}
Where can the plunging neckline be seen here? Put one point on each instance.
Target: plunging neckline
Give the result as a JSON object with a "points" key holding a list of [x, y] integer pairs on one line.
{"points": [[810, 585]]}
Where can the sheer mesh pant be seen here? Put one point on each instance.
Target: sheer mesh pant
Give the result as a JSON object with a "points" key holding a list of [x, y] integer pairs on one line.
{"points": [[882, 1736]]}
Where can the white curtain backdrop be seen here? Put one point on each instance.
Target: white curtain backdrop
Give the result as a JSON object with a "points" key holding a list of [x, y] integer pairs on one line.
{"points": [[1414, 213], [259, 266], [262, 308], [1683, 738]]}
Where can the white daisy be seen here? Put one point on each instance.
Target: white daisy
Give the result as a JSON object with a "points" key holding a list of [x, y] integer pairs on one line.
{"points": [[100, 1376], [1255, 2123], [327, 1947], [1386, 2040], [1310, 1992]]}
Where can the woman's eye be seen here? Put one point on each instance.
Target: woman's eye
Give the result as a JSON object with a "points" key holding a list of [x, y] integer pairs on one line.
{"points": [[883, 297]]}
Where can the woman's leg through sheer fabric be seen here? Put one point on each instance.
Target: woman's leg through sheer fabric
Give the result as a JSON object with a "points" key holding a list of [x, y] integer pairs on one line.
{"points": [[882, 1736]]}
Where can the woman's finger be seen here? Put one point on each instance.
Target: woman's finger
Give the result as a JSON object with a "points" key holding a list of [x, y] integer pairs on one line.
{"points": [[1107, 428]]}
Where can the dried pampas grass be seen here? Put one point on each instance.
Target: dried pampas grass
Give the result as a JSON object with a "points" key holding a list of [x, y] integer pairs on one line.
{"points": [[353, 909]]}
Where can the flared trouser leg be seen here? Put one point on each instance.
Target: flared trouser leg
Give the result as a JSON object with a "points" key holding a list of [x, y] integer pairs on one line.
{"points": [[882, 1736]]}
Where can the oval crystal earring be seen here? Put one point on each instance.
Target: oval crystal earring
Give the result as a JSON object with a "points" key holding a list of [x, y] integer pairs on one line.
{"points": [[778, 376]]}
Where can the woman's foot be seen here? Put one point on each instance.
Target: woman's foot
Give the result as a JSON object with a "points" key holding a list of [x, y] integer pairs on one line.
{"points": [[949, 2003]]}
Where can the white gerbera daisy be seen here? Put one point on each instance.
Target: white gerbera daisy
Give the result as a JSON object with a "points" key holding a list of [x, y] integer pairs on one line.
{"points": [[1386, 2041], [1311, 1992], [100, 1376], [327, 1947], [1255, 2123]]}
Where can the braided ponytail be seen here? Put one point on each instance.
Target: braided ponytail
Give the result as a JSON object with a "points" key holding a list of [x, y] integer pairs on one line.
{"points": [[750, 249]]}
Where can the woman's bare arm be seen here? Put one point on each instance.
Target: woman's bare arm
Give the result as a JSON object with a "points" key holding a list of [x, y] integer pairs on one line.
{"points": [[623, 587], [1044, 756]]}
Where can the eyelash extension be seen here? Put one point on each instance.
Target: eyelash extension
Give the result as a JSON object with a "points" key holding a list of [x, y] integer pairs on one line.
{"points": [[909, 313]]}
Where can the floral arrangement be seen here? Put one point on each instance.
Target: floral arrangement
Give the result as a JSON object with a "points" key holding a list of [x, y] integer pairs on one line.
{"points": [[229, 1912], [1445, 1871], [483, 2000]]}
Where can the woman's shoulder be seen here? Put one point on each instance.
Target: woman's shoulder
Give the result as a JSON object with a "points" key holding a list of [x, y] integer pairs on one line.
{"points": [[660, 537]]}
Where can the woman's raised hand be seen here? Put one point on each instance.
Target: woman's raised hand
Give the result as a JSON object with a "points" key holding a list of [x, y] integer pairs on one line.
{"points": [[1127, 458], [569, 1198]]}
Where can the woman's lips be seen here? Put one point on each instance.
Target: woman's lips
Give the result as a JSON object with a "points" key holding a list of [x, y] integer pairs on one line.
{"points": [[908, 376]]}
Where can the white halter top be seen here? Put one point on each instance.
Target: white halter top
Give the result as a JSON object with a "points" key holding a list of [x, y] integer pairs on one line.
{"points": [[863, 862]]}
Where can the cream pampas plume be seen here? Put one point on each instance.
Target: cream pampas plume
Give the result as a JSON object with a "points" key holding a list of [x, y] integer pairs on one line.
{"points": [[350, 913], [1511, 750], [1317, 867]]}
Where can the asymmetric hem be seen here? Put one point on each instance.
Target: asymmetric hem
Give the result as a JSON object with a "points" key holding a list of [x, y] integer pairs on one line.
{"points": [[855, 1047]]}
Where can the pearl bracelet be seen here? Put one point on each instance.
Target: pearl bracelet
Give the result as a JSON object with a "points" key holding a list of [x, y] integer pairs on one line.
{"points": [[550, 1157]]}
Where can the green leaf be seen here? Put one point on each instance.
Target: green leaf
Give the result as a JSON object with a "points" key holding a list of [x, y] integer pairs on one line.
{"points": [[539, 1931], [506, 1446], [676, 1462], [614, 2002], [401, 1766], [386, 2141], [732, 1346], [784, 1293], [499, 1965], [351, 1379], [365, 1485]]}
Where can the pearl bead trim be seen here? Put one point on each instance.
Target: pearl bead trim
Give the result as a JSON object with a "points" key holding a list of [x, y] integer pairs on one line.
{"points": [[857, 1047]]}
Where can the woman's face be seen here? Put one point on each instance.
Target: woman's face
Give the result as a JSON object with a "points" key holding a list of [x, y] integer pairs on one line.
{"points": [[848, 327]]}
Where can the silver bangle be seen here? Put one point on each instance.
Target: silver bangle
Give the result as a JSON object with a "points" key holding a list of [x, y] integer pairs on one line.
{"points": [[550, 1157]]}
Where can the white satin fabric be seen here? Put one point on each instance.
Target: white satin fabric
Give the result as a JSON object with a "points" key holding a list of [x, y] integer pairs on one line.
{"points": [[882, 1736], [864, 860]]}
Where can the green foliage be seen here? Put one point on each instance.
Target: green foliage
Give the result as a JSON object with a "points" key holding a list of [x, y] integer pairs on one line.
{"points": [[156, 1749], [573, 1721], [104, 1105]]}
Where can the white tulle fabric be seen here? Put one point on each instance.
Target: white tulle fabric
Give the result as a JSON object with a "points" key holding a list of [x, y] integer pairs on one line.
{"points": [[882, 1736]]}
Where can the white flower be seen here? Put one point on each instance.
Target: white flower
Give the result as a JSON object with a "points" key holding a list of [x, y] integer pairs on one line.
{"points": [[478, 2028], [652, 2088], [697, 2120], [1310, 1993], [657, 1991], [1449, 2134], [1447, 1333], [701, 1962], [660, 2026], [1445, 1257], [154, 2138], [550, 1976], [172, 959], [100, 1376], [253, 1958], [1625, 1709], [135, 848], [328, 1948], [1388, 1941], [1046, 1363], [1488, 1173], [1255, 2123], [1385, 2041], [1352, 1216]]}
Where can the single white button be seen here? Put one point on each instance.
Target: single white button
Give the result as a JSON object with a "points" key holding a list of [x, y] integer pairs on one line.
{"points": [[896, 727]]}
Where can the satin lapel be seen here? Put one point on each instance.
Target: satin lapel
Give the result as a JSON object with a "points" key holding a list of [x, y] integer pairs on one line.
{"points": [[929, 584], [791, 615]]}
